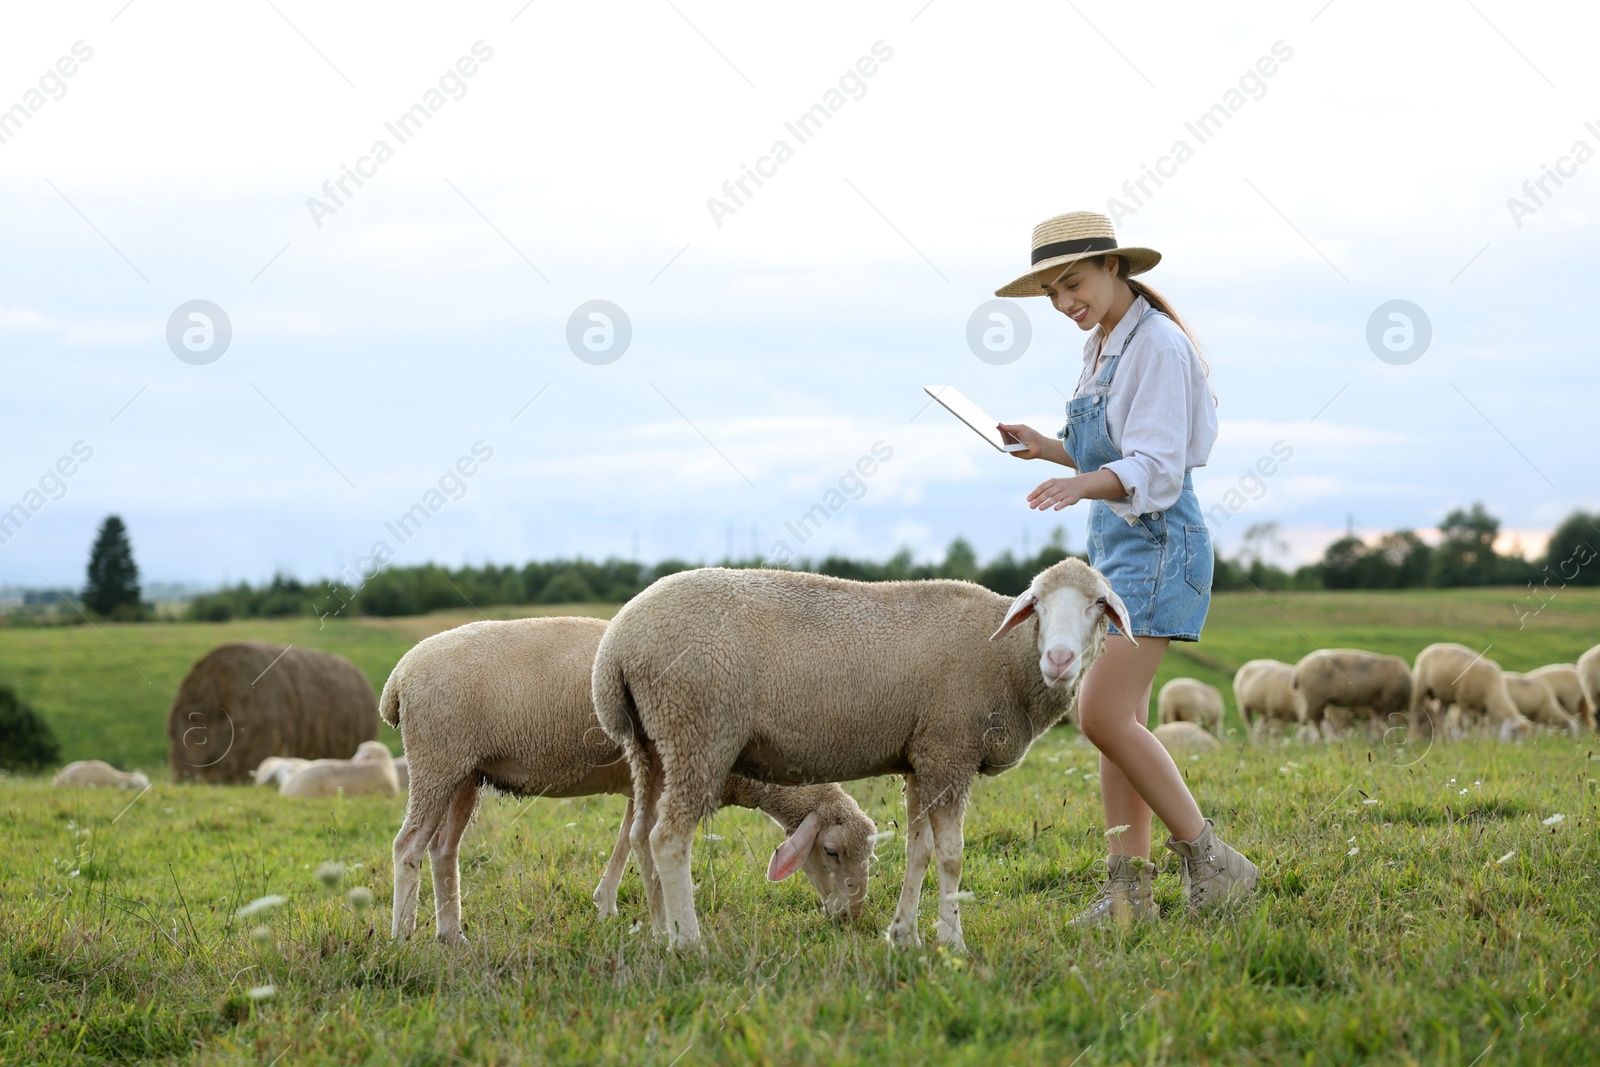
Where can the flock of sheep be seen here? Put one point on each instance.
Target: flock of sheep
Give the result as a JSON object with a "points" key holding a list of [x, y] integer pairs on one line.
{"points": [[764, 689], [1450, 691]]}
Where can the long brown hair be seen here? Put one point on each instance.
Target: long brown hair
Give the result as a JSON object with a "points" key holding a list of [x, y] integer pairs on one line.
{"points": [[1159, 302]]}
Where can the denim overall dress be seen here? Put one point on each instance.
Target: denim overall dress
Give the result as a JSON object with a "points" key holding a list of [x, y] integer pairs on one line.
{"points": [[1159, 563]]}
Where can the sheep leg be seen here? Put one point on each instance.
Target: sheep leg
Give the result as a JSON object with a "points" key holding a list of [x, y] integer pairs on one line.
{"points": [[647, 792], [919, 847], [947, 840], [445, 851], [422, 819], [605, 894], [670, 841]]}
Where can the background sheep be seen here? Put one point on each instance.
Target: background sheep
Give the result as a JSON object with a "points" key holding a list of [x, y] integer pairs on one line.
{"points": [[1190, 700], [508, 704], [798, 677], [275, 769], [1341, 685], [1469, 690], [1534, 699], [1589, 680], [1563, 680], [246, 701], [370, 772], [1268, 702], [98, 774], [1185, 737]]}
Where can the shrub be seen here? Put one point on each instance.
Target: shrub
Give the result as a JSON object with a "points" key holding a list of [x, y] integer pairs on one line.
{"points": [[26, 741]]}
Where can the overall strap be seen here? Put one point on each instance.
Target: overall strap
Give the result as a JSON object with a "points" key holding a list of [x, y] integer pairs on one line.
{"points": [[1110, 370]]}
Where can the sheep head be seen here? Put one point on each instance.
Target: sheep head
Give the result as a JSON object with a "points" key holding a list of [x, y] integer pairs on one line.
{"points": [[1073, 603], [833, 844]]}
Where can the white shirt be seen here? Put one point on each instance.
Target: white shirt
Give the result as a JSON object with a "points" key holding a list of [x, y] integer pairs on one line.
{"points": [[1159, 410]]}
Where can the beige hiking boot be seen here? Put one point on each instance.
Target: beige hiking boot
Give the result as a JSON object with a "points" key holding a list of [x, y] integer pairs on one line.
{"points": [[1127, 895], [1213, 872]]}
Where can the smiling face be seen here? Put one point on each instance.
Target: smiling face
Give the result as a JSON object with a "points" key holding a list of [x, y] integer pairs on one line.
{"points": [[1090, 288]]}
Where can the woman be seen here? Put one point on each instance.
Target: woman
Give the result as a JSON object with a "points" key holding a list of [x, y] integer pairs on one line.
{"points": [[1141, 417]]}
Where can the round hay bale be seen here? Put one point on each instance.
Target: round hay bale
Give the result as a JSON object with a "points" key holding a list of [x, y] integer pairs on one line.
{"points": [[249, 700]]}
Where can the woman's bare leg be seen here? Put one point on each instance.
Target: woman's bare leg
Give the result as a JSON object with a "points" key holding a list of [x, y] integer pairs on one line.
{"points": [[1123, 804], [1112, 708]]}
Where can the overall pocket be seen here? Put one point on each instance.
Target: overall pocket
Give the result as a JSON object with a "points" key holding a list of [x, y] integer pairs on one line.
{"points": [[1197, 558]]}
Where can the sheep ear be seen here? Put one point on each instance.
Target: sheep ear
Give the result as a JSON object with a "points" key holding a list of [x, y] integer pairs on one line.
{"points": [[792, 853], [1021, 608], [1117, 612]]}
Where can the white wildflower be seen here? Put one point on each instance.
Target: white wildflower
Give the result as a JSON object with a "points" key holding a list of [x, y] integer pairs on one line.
{"points": [[330, 874], [360, 898], [1354, 850], [1070, 771], [570, 825], [1370, 801], [1555, 820], [1462, 793], [262, 992], [1503, 860], [261, 935], [880, 837], [959, 895], [1351, 841], [261, 904], [1115, 830], [711, 837]]}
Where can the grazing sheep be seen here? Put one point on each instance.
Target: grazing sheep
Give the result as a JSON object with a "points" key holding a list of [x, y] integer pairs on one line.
{"points": [[1182, 736], [507, 704], [1468, 688], [369, 772], [1589, 680], [249, 700], [1190, 700], [1349, 682], [1534, 698], [1268, 702], [98, 774], [795, 677], [1563, 680], [274, 769]]}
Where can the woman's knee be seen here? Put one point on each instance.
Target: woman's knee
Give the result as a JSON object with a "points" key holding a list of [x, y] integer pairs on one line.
{"points": [[1101, 723]]}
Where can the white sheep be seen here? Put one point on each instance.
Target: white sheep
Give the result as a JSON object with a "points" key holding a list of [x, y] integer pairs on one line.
{"points": [[507, 703], [1340, 686], [274, 769], [797, 677], [1469, 688], [1190, 700], [1268, 702], [98, 774], [369, 772], [1565, 683], [1589, 680], [1536, 700], [1182, 736]]}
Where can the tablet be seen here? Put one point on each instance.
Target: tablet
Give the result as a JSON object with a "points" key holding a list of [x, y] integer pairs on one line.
{"points": [[974, 416]]}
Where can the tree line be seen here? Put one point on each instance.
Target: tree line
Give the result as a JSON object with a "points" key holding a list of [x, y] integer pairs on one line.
{"points": [[1397, 559]]}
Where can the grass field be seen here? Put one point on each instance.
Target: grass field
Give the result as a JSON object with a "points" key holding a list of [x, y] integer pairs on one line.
{"points": [[1417, 906]]}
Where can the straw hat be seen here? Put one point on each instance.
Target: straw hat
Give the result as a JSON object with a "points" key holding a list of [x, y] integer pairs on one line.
{"points": [[1068, 238]]}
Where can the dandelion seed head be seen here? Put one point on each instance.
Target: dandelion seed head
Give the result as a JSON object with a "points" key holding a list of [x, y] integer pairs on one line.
{"points": [[331, 874], [360, 898], [261, 904]]}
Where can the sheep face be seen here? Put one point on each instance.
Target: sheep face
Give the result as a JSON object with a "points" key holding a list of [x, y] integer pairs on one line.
{"points": [[1073, 602], [835, 859]]}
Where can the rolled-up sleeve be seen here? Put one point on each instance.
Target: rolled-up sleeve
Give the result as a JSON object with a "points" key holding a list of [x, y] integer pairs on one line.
{"points": [[1154, 434]]}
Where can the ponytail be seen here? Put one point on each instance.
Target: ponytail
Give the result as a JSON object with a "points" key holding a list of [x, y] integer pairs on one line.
{"points": [[1159, 302]]}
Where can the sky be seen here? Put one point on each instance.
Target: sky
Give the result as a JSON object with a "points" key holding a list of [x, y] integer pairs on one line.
{"points": [[514, 162]]}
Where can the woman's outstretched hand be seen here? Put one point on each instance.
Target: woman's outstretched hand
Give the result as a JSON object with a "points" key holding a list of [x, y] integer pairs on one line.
{"points": [[1056, 493], [1026, 435]]}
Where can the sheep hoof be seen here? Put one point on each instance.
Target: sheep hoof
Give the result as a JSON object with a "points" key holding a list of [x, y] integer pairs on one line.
{"points": [[457, 941], [903, 936]]}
